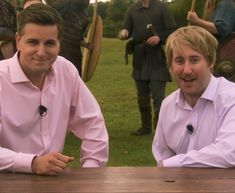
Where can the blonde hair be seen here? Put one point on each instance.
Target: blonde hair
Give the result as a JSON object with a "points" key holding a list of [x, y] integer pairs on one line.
{"points": [[196, 38]]}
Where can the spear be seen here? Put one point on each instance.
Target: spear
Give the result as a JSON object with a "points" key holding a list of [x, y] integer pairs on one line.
{"points": [[193, 4]]}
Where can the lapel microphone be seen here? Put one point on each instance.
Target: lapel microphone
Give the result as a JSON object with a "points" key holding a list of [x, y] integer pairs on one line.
{"points": [[190, 129], [42, 110]]}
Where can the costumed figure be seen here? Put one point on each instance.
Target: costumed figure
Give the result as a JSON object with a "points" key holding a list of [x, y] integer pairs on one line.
{"points": [[219, 19], [75, 23], [7, 29]]}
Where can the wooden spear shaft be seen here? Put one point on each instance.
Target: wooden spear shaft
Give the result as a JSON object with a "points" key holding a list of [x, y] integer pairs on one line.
{"points": [[193, 4]]}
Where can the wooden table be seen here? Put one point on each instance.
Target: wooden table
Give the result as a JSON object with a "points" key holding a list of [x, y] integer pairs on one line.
{"points": [[123, 180]]}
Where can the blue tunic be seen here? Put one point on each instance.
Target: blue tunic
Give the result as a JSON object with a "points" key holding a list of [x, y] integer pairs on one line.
{"points": [[224, 18]]}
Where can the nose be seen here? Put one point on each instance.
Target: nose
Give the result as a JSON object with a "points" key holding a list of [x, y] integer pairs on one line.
{"points": [[187, 68], [41, 51]]}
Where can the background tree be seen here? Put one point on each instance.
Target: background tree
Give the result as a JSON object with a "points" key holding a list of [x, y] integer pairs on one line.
{"points": [[114, 17], [180, 9]]}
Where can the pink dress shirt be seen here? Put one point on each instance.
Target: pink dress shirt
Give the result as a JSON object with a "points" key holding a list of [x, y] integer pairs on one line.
{"points": [[212, 141], [24, 133]]}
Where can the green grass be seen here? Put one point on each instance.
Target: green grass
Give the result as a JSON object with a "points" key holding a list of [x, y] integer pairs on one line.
{"points": [[114, 90]]}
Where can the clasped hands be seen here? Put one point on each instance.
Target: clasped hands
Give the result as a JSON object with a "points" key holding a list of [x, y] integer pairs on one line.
{"points": [[152, 41]]}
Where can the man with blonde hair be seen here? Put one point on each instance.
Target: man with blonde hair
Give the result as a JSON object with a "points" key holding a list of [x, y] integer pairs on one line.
{"points": [[196, 122]]}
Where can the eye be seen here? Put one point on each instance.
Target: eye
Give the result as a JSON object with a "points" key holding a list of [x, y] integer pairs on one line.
{"points": [[51, 43], [195, 60], [179, 60], [32, 42]]}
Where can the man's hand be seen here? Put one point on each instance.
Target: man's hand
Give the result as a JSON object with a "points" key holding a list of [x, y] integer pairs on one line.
{"points": [[160, 163], [87, 45], [123, 35], [153, 40], [192, 17], [50, 164]]}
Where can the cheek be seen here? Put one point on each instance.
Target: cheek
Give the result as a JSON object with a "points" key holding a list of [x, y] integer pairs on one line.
{"points": [[174, 70], [55, 51]]}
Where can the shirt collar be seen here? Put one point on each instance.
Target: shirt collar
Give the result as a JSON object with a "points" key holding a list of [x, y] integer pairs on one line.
{"points": [[17, 75], [208, 94]]}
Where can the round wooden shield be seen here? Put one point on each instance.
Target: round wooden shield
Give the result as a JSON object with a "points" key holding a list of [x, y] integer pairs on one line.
{"points": [[91, 57], [225, 64]]}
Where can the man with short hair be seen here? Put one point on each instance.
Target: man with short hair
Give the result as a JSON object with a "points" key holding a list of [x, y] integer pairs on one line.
{"points": [[42, 97]]}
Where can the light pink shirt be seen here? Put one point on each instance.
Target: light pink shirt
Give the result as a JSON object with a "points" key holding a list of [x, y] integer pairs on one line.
{"points": [[24, 133], [212, 143]]}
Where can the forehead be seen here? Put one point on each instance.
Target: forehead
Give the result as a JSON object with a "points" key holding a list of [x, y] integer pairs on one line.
{"points": [[40, 31], [184, 50]]}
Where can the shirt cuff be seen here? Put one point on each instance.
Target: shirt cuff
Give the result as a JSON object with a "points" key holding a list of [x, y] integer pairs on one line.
{"points": [[172, 162], [90, 163], [160, 163], [23, 162]]}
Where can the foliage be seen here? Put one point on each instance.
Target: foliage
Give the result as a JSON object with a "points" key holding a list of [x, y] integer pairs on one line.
{"points": [[180, 9], [114, 90], [114, 17]]}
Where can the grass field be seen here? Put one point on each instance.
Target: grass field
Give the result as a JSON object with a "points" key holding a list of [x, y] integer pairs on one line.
{"points": [[114, 90]]}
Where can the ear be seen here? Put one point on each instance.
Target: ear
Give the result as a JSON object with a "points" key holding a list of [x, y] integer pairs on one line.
{"points": [[18, 38], [170, 69], [211, 66]]}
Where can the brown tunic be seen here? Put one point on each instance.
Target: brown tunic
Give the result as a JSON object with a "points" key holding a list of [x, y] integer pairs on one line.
{"points": [[75, 24]]}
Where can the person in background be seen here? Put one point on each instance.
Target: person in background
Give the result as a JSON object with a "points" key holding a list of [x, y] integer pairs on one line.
{"points": [[196, 122], [7, 29], [218, 18], [75, 24], [50, 99], [148, 23]]}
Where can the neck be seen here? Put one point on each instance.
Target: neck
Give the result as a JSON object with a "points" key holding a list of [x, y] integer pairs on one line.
{"points": [[191, 100], [37, 80]]}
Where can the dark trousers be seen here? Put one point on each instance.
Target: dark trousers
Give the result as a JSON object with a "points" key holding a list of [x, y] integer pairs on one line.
{"points": [[153, 88], [147, 90]]}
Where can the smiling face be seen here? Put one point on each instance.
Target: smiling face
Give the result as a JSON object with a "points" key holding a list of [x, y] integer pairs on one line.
{"points": [[191, 72], [190, 55], [38, 48]]}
